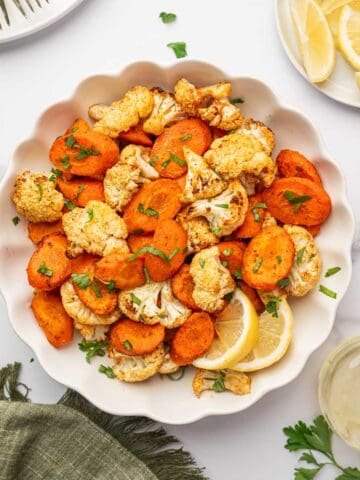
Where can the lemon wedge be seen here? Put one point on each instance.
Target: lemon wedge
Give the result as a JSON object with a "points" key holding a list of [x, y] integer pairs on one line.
{"points": [[237, 331], [349, 35], [357, 78], [315, 39], [275, 335], [332, 10]]}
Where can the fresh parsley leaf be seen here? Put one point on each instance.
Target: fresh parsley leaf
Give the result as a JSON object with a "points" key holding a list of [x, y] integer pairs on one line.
{"points": [[174, 158], [235, 101], [297, 201], [147, 276], [165, 164], [86, 152], [127, 344], [306, 473], [256, 215], [93, 348], [327, 291], [68, 204], [257, 264], [108, 371], [40, 190], [82, 280], [283, 282], [214, 228], [70, 141], [153, 160], [45, 270], [167, 17], [135, 299], [222, 205], [260, 205], [185, 137], [227, 252], [179, 48], [111, 286], [202, 262], [173, 253], [150, 212], [65, 161], [80, 190], [238, 274], [90, 212], [271, 306], [55, 174], [96, 289], [225, 263], [299, 255], [15, 220], [152, 250], [332, 271], [219, 383]]}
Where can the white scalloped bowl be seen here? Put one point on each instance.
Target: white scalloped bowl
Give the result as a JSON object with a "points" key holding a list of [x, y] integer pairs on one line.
{"points": [[161, 399]]}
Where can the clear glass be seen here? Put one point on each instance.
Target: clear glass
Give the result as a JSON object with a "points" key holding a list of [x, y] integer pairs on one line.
{"points": [[339, 391]]}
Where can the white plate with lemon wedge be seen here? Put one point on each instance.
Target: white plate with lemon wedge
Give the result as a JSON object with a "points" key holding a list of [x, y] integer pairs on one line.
{"points": [[285, 342], [322, 40]]}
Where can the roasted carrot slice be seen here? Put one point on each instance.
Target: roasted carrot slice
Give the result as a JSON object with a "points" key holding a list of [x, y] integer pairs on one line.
{"points": [[135, 338], [79, 125], [253, 296], [193, 338], [182, 181], [158, 200], [93, 293], [297, 201], [87, 154], [182, 286], [253, 219], [268, 258], [136, 242], [37, 231], [171, 239], [168, 147], [116, 267], [49, 266], [81, 190], [314, 230], [52, 318], [136, 135], [293, 164], [231, 256]]}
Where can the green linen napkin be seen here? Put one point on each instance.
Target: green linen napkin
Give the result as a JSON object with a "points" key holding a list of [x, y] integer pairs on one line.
{"points": [[74, 440]]}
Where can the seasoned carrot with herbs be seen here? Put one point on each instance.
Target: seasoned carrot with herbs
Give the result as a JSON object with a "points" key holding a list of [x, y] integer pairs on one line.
{"points": [[49, 266], [81, 190], [297, 201], [171, 239], [268, 259], [293, 164], [182, 286], [158, 200], [314, 230], [193, 338], [137, 241], [136, 135], [231, 256], [135, 338], [37, 231], [79, 125], [117, 269], [253, 219], [52, 318], [167, 150], [253, 296]]}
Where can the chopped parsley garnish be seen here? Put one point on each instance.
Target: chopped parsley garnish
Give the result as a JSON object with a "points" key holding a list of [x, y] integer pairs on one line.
{"points": [[173, 158], [178, 375], [44, 270], [93, 348], [55, 174], [153, 160], [80, 190], [65, 161], [185, 137], [90, 212], [215, 229], [202, 262], [257, 265], [70, 141], [222, 205], [150, 212], [271, 306], [297, 201], [278, 259], [108, 371], [165, 164], [173, 253], [111, 286], [135, 299], [127, 344], [219, 383], [260, 205], [86, 152], [138, 231], [167, 17], [283, 282], [68, 204], [224, 263], [40, 190], [147, 276], [152, 250], [96, 289], [238, 274], [299, 255], [227, 252], [327, 291], [257, 217], [15, 220], [179, 48], [332, 271], [82, 280], [234, 101]]}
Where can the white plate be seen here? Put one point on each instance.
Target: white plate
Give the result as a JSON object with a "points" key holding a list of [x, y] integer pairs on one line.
{"points": [[51, 11], [162, 399], [341, 85]]}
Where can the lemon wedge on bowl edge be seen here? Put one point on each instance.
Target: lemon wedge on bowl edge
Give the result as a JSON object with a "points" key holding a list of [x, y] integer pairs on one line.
{"points": [[349, 35]]}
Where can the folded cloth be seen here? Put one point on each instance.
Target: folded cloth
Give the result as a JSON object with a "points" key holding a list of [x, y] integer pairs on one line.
{"points": [[74, 440]]}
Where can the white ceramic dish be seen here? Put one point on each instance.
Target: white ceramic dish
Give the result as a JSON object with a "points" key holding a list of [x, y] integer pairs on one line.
{"points": [[161, 399], [34, 21], [340, 85]]}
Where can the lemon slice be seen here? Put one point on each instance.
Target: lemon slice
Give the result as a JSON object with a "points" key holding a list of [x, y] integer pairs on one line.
{"points": [[315, 39], [275, 335], [357, 78], [332, 10], [349, 35], [237, 331]]}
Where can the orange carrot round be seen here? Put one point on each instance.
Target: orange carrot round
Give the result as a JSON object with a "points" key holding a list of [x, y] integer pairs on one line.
{"points": [[293, 164], [168, 147], [182, 286], [137, 241], [117, 268], [37, 231], [81, 190], [253, 296], [135, 338], [231, 255], [79, 125], [314, 230], [254, 218], [136, 135]]}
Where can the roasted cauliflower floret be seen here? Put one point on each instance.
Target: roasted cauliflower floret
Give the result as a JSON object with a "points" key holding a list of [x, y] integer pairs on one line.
{"points": [[92, 332], [137, 368], [236, 155], [141, 303], [96, 229], [306, 269], [269, 220], [176, 312], [80, 312], [226, 212], [198, 232], [123, 114], [139, 157], [260, 131], [221, 114], [36, 198], [201, 181], [211, 279], [219, 381], [165, 111], [168, 366]]}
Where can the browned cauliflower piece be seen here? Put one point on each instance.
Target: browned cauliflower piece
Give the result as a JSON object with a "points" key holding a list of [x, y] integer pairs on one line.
{"points": [[75, 308], [92, 332], [260, 131], [165, 112], [175, 312], [169, 366], [199, 234], [123, 114], [201, 181], [36, 198], [139, 156], [225, 212], [221, 114], [240, 155], [96, 229], [269, 220], [306, 269], [219, 381], [211, 279], [137, 368]]}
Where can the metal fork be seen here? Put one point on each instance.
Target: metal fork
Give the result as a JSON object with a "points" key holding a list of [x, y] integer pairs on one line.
{"points": [[25, 7]]}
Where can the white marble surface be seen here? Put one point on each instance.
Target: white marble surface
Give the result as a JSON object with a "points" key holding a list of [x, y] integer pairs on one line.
{"points": [[240, 37]]}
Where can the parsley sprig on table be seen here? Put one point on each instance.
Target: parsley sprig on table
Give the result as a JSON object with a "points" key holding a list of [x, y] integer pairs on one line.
{"points": [[315, 438]]}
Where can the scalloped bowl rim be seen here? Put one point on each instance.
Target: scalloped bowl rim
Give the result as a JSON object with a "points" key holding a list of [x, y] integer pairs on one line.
{"points": [[216, 408]]}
